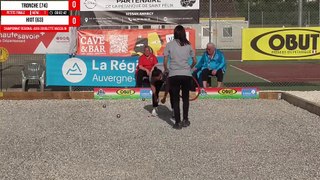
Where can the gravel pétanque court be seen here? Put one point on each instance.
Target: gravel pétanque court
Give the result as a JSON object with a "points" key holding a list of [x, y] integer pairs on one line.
{"points": [[227, 139]]}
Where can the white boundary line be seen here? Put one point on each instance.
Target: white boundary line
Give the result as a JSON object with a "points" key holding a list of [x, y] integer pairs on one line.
{"points": [[250, 73]]}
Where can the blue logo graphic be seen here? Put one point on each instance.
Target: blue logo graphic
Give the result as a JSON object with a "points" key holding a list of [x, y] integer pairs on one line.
{"points": [[249, 92], [75, 70], [145, 93]]}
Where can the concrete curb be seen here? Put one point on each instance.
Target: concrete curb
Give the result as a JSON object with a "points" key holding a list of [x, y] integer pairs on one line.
{"points": [[302, 103], [296, 101], [270, 95], [45, 95]]}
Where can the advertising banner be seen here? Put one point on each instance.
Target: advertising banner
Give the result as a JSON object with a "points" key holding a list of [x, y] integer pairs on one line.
{"points": [[132, 12], [35, 42], [281, 43], [126, 42], [146, 93], [122, 93], [230, 93], [61, 70]]}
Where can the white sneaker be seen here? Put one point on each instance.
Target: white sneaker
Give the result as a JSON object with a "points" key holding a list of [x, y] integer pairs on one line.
{"points": [[172, 115], [154, 112]]}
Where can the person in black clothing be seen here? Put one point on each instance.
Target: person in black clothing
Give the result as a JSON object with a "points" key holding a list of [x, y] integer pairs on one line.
{"points": [[158, 80], [179, 51]]}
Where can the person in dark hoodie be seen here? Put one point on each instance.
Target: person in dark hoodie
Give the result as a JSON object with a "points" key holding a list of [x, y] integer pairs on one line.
{"points": [[158, 80]]}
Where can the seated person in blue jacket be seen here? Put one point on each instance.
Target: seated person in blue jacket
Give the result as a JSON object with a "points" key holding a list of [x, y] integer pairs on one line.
{"points": [[212, 63]]}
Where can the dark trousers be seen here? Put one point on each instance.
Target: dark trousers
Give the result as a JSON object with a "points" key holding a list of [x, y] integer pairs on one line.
{"points": [[206, 73], [139, 77], [195, 77], [158, 85], [178, 83], [155, 97]]}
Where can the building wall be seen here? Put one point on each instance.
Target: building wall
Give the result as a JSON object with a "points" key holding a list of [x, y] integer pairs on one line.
{"points": [[226, 33]]}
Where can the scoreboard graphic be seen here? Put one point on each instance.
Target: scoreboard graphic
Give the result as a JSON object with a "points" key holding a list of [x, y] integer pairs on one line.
{"points": [[41, 16]]}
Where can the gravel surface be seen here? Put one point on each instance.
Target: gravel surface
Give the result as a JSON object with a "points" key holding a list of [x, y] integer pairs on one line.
{"points": [[227, 139], [312, 96]]}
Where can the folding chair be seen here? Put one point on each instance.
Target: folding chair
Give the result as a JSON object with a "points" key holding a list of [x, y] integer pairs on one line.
{"points": [[33, 72]]}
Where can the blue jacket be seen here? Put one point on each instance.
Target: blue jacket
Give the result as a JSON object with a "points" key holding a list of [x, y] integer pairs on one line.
{"points": [[217, 62]]}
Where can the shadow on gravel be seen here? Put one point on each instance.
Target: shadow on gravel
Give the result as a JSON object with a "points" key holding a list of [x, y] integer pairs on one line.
{"points": [[164, 113]]}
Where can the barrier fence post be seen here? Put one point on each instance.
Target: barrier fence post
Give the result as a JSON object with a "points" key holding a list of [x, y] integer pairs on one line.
{"points": [[210, 15], [1, 76], [300, 13]]}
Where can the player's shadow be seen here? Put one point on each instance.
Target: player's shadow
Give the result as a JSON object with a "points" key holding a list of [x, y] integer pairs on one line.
{"points": [[164, 113]]}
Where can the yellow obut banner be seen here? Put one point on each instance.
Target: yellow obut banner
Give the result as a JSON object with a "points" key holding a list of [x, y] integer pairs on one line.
{"points": [[281, 43]]}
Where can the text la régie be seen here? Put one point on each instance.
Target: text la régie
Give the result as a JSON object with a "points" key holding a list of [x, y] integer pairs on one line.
{"points": [[114, 65]]}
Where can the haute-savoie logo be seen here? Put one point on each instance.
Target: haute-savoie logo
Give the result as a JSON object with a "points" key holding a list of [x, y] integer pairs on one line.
{"points": [[288, 43]]}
